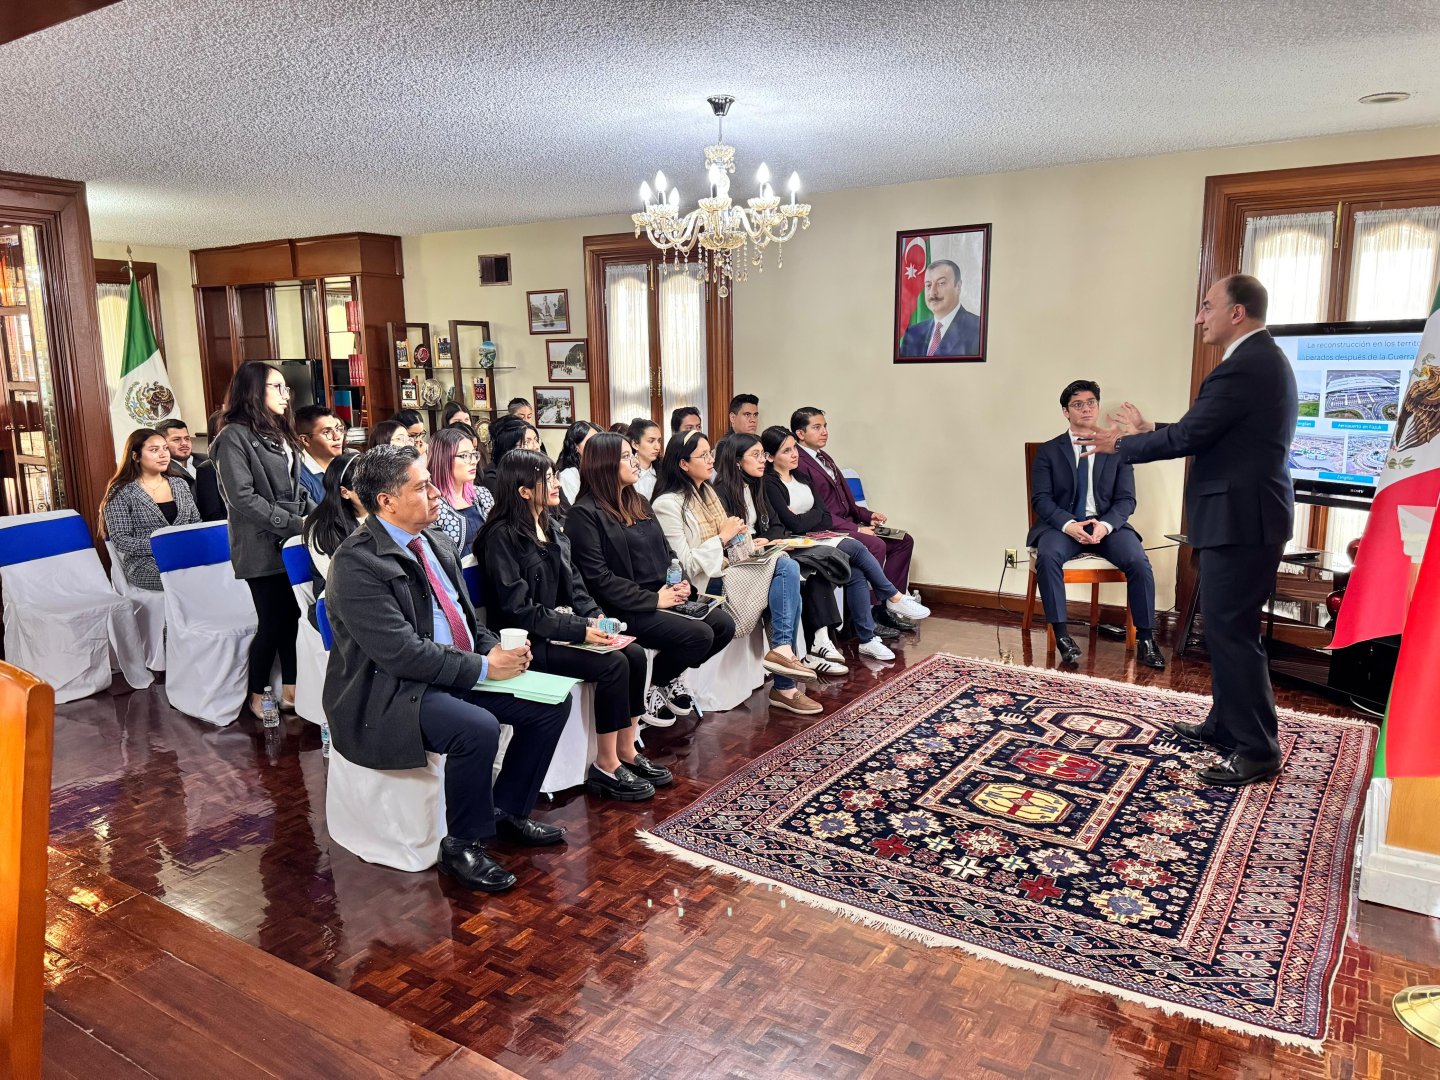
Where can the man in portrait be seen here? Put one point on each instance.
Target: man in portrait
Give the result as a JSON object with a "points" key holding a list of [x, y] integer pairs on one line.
{"points": [[951, 330]]}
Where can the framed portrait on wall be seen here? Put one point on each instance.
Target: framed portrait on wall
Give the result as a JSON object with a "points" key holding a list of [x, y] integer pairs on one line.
{"points": [[942, 294], [549, 311], [567, 359], [554, 406]]}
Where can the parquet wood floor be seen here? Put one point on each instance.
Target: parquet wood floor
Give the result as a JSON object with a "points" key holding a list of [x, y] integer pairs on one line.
{"points": [[609, 961]]}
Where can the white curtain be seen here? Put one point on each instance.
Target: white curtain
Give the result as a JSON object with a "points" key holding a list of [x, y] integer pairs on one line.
{"points": [[1396, 263], [627, 319], [682, 342], [1290, 254], [113, 302]]}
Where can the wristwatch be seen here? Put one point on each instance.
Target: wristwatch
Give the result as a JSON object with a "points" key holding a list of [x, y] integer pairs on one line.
{"points": [[1117, 443]]}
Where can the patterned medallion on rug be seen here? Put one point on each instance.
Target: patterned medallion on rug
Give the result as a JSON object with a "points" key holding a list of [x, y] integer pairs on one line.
{"points": [[1052, 822]]}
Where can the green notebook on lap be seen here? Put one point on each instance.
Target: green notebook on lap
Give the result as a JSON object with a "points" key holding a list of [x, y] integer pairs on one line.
{"points": [[531, 686]]}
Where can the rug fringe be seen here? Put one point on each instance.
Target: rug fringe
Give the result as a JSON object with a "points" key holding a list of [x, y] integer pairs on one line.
{"points": [[935, 940]]}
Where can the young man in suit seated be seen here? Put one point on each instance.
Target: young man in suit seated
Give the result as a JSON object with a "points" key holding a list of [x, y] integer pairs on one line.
{"points": [[406, 666], [195, 468], [1082, 506]]}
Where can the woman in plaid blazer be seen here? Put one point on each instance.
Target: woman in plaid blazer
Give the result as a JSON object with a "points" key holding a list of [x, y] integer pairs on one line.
{"points": [[141, 498]]}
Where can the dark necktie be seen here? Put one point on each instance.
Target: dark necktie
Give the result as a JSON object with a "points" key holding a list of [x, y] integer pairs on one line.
{"points": [[458, 630], [1082, 487]]}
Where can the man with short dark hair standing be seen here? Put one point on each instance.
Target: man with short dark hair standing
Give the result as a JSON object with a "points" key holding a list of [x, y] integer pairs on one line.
{"points": [[745, 414], [1239, 507], [1082, 506], [950, 330], [408, 663], [685, 418], [322, 440]]}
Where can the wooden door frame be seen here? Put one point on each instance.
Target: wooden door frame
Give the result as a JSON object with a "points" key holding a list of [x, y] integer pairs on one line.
{"points": [[72, 323], [719, 332]]}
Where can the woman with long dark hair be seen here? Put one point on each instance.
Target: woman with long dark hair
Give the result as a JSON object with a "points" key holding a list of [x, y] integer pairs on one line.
{"points": [[389, 433], [793, 502], [257, 455], [339, 514], [567, 466], [622, 556], [453, 462], [531, 583], [649, 443], [714, 544], [507, 433], [140, 498]]}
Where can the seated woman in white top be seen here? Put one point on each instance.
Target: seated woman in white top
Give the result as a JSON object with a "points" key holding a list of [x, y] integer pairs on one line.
{"points": [[567, 467], [338, 515], [141, 498], [649, 443], [700, 533]]}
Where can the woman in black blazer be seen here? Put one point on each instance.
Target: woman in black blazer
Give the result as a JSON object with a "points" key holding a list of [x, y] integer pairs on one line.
{"points": [[623, 558], [531, 583]]}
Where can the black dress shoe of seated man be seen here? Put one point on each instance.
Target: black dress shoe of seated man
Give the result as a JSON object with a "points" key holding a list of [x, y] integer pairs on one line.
{"points": [[1237, 771], [1069, 651], [885, 632], [1148, 653], [470, 864], [527, 832], [883, 616]]}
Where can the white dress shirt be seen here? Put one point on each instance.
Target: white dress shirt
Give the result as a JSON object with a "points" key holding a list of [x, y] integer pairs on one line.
{"points": [[816, 455], [1236, 344], [1087, 463]]}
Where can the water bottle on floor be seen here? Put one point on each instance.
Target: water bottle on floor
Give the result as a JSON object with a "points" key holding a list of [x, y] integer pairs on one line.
{"points": [[325, 740], [269, 708], [674, 575]]}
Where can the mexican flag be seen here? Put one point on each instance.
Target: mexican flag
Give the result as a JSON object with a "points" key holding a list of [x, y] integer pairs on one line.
{"points": [[143, 396], [913, 263]]}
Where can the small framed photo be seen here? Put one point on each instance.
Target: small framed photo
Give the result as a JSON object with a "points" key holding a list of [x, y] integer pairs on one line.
{"points": [[942, 295], [549, 311], [554, 406], [568, 359]]}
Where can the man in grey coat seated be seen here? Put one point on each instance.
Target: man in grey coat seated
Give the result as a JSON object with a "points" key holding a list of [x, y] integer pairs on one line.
{"points": [[406, 667]]}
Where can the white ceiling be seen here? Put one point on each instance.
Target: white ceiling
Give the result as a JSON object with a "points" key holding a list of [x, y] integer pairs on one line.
{"points": [[200, 122]]}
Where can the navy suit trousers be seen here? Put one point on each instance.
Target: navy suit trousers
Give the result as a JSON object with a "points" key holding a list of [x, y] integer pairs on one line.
{"points": [[1122, 547]]}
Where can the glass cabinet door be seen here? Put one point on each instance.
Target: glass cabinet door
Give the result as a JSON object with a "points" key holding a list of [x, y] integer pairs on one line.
{"points": [[30, 472]]}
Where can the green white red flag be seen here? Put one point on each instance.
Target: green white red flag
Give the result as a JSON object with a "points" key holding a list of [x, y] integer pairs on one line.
{"points": [[144, 395]]}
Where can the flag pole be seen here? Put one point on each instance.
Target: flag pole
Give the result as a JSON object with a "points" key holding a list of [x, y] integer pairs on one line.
{"points": [[130, 262]]}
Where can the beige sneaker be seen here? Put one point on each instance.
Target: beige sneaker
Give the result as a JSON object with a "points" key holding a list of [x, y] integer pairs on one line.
{"points": [[779, 664], [797, 703]]}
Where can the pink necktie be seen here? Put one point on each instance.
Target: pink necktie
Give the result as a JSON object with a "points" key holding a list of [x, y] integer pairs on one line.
{"points": [[934, 339], [458, 630]]}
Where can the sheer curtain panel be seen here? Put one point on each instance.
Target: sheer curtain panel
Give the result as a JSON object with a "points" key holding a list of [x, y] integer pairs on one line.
{"points": [[682, 343], [113, 302], [1290, 254], [1396, 263], [627, 319]]}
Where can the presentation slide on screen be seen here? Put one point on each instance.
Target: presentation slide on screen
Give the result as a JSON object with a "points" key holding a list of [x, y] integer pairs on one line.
{"points": [[1350, 391]]}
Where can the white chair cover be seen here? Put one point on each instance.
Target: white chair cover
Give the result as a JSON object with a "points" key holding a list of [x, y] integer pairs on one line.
{"points": [[311, 656], [149, 608], [394, 817], [211, 621], [63, 620], [727, 680], [576, 749]]}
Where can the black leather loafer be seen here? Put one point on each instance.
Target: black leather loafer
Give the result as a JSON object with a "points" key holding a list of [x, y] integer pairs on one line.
{"points": [[1069, 651], [624, 785], [885, 617], [1148, 653], [646, 769], [885, 632], [527, 832], [471, 865], [1237, 771]]}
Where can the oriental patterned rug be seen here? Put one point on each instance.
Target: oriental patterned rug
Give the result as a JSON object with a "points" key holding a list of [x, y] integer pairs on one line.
{"points": [[1051, 822]]}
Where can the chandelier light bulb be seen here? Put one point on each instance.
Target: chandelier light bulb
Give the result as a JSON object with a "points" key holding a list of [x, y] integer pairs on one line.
{"points": [[644, 194], [675, 198], [661, 183], [762, 174], [794, 186], [766, 191]]}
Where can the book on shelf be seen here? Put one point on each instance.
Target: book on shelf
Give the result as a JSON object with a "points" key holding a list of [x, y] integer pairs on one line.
{"points": [[357, 369], [352, 316]]}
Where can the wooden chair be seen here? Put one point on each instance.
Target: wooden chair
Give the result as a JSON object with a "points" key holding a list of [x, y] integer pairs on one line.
{"points": [[1089, 570], [27, 715]]}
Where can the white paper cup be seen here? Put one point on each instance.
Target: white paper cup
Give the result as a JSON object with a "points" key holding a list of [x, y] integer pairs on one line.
{"points": [[513, 639]]}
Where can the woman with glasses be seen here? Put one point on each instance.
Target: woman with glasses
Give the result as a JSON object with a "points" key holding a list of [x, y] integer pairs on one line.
{"points": [[389, 433], [712, 543], [453, 462], [568, 464], [622, 556], [531, 582], [257, 457], [649, 443]]}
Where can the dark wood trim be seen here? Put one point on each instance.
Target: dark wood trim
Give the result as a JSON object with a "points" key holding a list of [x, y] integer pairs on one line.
{"points": [[147, 274], [24, 17], [332, 255]]}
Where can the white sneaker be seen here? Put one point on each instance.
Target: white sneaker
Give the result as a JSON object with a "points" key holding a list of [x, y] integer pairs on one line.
{"points": [[823, 665], [908, 607], [876, 649]]}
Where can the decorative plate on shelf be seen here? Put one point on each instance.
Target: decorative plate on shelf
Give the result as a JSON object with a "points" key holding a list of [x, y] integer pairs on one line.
{"points": [[432, 393]]}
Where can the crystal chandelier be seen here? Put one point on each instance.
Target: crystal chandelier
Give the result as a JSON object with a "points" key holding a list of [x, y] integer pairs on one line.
{"points": [[718, 229]]}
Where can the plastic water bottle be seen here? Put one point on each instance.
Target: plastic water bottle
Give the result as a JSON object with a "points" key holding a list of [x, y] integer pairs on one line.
{"points": [[674, 575], [324, 740], [607, 625], [269, 708]]}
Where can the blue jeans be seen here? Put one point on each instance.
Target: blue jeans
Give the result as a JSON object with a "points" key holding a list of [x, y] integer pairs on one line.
{"points": [[865, 574], [784, 609]]}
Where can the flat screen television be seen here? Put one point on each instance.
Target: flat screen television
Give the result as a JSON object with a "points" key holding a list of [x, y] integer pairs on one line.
{"points": [[1352, 378]]}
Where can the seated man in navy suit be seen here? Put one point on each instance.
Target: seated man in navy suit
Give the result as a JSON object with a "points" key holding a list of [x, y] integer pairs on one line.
{"points": [[1083, 506], [951, 331]]}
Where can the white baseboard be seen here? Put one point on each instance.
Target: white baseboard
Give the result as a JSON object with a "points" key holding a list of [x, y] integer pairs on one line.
{"points": [[1400, 878]]}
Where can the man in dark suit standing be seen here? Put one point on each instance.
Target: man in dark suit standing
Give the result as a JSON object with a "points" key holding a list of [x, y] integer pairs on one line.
{"points": [[1239, 506], [951, 330], [1082, 505]]}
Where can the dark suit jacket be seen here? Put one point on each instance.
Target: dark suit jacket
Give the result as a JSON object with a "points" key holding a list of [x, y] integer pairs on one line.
{"points": [[385, 655], [207, 492], [602, 555], [962, 337], [845, 513], [1239, 432], [1052, 488]]}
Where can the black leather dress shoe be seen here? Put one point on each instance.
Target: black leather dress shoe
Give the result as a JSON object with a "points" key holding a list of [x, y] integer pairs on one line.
{"points": [[624, 785], [885, 617], [527, 832], [470, 864], [1237, 771], [646, 769], [886, 632], [1148, 653], [1069, 651], [1193, 732]]}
